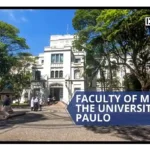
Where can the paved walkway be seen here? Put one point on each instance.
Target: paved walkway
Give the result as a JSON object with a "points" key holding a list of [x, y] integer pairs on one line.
{"points": [[55, 124]]}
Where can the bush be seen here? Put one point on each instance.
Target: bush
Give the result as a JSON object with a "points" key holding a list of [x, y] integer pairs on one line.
{"points": [[21, 104]]}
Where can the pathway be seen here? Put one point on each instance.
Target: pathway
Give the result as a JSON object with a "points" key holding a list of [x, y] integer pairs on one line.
{"points": [[53, 124]]}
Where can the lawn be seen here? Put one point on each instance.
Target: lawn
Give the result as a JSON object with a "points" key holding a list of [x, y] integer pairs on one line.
{"points": [[20, 105]]}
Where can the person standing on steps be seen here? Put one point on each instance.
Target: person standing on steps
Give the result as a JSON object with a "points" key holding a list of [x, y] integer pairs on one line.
{"points": [[36, 104], [49, 100], [32, 104], [54, 99], [41, 103]]}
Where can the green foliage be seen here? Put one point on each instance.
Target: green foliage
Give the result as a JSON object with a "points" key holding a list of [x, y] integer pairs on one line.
{"points": [[131, 83], [10, 38], [10, 44], [118, 33], [21, 104], [21, 74], [14, 63]]}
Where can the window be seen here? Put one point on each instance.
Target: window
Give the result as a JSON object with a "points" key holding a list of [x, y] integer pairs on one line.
{"points": [[56, 74], [77, 60], [42, 61], [52, 74], [60, 74], [77, 74], [52, 58], [37, 75], [57, 58], [61, 58]]}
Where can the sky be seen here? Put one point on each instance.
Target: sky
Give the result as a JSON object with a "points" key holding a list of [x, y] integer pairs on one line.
{"points": [[36, 26]]}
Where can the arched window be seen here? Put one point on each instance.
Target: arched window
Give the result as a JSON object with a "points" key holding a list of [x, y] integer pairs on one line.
{"points": [[76, 74], [56, 74], [52, 74], [60, 74]]}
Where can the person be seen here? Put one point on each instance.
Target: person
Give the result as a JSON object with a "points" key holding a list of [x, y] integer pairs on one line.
{"points": [[7, 101], [40, 103], [36, 104], [48, 100], [4, 112], [54, 99], [6, 107], [32, 103]]}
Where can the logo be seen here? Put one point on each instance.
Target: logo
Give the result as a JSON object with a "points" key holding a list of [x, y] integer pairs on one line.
{"points": [[147, 21]]}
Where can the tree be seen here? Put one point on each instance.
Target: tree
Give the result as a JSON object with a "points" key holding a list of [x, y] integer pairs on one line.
{"points": [[124, 32], [128, 35], [131, 83], [21, 73], [97, 49], [12, 57], [10, 44]]}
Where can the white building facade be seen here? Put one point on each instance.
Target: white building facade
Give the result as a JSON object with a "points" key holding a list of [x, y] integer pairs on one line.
{"points": [[59, 70]]}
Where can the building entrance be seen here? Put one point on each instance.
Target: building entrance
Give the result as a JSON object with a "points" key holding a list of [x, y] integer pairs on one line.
{"points": [[36, 92], [56, 90]]}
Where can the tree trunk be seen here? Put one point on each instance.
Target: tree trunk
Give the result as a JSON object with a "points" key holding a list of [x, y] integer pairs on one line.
{"points": [[145, 85], [103, 80], [125, 71], [126, 79], [110, 74], [18, 101], [145, 89]]}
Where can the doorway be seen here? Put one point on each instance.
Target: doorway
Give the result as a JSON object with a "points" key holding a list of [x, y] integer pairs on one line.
{"points": [[57, 91], [36, 92]]}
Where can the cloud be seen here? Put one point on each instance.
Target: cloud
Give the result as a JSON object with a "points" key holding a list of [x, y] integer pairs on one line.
{"points": [[15, 16], [12, 16], [24, 19], [25, 10], [31, 10]]}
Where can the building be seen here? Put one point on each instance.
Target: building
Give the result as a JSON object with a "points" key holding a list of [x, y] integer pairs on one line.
{"points": [[58, 71]]}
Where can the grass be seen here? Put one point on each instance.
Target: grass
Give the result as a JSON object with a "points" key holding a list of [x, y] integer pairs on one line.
{"points": [[21, 104]]}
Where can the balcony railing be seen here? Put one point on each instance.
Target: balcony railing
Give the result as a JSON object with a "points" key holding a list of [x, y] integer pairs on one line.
{"points": [[57, 65], [77, 64]]}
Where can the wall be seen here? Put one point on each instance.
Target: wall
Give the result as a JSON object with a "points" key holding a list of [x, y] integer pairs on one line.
{"points": [[77, 84], [61, 44], [47, 60], [60, 41]]}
